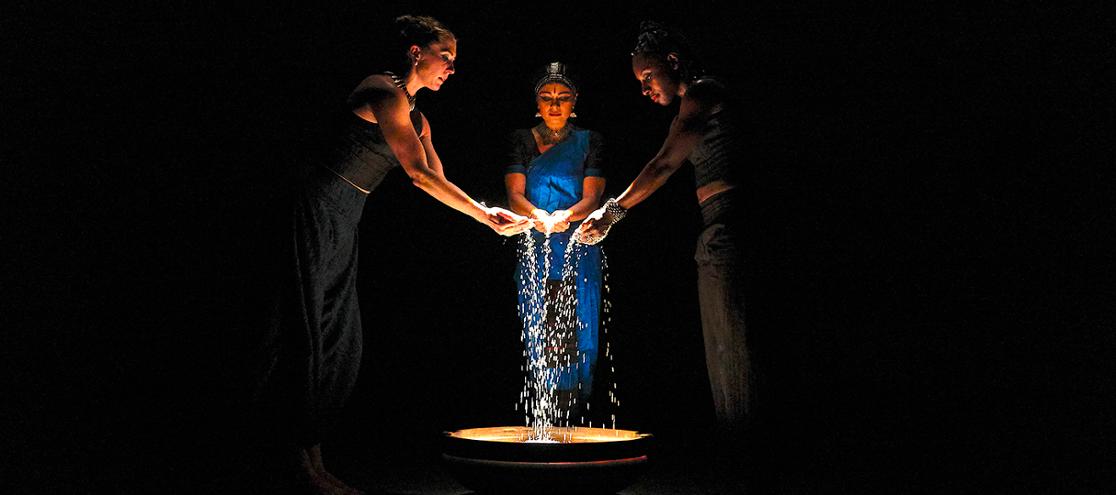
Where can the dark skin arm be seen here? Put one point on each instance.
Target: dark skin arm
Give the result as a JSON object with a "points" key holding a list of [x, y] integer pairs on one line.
{"points": [[684, 135]]}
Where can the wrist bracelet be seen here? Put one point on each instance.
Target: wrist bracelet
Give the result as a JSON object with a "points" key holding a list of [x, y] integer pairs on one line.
{"points": [[614, 210]]}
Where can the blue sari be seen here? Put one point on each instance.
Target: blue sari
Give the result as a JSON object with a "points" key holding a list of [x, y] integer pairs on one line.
{"points": [[554, 182]]}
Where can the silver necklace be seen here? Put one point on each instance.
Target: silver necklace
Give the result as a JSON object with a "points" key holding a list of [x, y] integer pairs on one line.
{"points": [[401, 84], [550, 136]]}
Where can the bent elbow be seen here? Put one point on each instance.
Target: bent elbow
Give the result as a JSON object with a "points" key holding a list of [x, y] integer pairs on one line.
{"points": [[423, 182], [422, 179]]}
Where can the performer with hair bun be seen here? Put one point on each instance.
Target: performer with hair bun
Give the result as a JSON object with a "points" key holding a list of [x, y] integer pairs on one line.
{"points": [[307, 361]]}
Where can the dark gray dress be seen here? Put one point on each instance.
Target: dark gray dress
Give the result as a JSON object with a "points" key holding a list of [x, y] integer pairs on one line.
{"points": [[313, 353], [723, 154]]}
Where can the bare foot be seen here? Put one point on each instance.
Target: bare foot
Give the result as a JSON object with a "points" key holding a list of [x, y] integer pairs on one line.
{"points": [[315, 455], [309, 480]]}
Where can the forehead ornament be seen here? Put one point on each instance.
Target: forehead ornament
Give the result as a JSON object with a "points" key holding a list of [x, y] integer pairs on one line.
{"points": [[555, 72]]}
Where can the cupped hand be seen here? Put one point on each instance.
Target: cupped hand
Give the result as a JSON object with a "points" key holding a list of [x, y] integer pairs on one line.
{"points": [[505, 222], [560, 220], [549, 223], [593, 229], [539, 220]]}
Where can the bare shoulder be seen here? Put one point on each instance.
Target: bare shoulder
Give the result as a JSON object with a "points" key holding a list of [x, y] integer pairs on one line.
{"points": [[706, 94], [707, 87], [376, 81], [702, 99], [376, 87]]}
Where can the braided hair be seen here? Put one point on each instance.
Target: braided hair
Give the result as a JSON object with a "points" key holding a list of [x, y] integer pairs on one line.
{"points": [[657, 41]]}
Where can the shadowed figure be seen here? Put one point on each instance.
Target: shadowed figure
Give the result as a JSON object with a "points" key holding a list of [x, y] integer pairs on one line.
{"points": [[307, 362], [709, 131]]}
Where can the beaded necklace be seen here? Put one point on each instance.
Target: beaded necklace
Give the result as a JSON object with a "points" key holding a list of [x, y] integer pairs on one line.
{"points": [[550, 136], [399, 83]]}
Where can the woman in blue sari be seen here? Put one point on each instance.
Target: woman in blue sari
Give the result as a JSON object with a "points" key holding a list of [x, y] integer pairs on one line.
{"points": [[554, 176]]}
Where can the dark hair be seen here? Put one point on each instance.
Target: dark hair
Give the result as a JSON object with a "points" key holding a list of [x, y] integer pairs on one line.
{"points": [[415, 30], [657, 40]]}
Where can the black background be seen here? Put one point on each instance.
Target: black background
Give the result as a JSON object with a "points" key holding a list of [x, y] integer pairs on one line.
{"points": [[932, 278]]}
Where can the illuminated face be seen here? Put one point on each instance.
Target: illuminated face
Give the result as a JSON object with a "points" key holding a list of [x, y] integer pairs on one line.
{"points": [[556, 103], [658, 79], [435, 62]]}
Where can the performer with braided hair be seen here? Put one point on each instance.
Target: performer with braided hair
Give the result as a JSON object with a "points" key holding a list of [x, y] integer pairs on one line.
{"points": [[708, 132]]}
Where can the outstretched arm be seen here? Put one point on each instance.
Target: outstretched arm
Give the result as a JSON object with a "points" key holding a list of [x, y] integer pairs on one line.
{"points": [[502, 221], [685, 134], [421, 163]]}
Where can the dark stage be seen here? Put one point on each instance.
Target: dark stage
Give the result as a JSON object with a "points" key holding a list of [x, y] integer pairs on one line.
{"points": [[927, 244]]}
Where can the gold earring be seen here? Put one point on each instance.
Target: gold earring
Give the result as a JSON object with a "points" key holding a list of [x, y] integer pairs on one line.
{"points": [[538, 115], [573, 115]]}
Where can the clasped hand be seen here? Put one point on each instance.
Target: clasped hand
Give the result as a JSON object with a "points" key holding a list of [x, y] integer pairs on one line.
{"points": [[547, 223]]}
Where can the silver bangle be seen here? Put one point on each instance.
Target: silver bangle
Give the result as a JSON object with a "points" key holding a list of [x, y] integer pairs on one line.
{"points": [[614, 210]]}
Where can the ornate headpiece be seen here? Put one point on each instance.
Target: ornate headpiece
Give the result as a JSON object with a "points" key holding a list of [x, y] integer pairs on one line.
{"points": [[555, 72]]}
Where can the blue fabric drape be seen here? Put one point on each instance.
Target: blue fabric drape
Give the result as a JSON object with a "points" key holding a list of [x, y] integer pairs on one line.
{"points": [[554, 182]]}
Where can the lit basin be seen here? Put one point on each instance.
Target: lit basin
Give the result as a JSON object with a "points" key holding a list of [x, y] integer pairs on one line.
{"points": [[500, 460]]}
